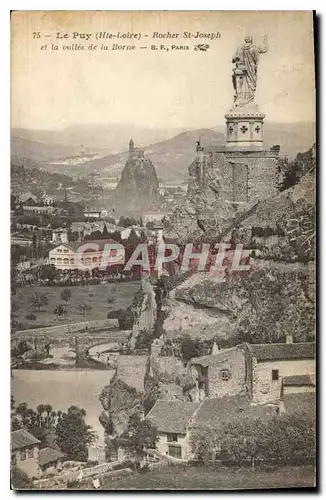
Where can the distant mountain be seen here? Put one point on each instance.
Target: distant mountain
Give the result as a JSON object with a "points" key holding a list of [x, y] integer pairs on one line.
{"points": [[39, 151], [79, 150], [171, 157]]}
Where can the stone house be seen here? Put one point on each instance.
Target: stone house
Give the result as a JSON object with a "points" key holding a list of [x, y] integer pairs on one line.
{"points": [[268, 364], [171, 419], [220, 374], [50, 461], [176, 420], [27, 455], [254, 369], [25, 452], [298, 384]]}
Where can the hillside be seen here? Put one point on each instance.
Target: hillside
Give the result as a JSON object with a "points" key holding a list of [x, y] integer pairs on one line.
{"points": [[171, 155]]}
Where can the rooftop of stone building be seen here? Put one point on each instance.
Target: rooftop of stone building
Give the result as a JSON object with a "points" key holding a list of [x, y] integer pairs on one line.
{"points": [[290, 351], [48, 455], [216, 411], [21, 439], [211, 359], [299, 380], [172, 416]]}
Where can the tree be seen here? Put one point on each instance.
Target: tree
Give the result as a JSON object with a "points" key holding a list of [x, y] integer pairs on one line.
{"points": [[21, 348], [65, 295], [59, 310], [105, 233], [74, 435], [132, 239], [38, 300], [39, 423], [192, 348], [139, 436], [84, 308], [47, 272]]}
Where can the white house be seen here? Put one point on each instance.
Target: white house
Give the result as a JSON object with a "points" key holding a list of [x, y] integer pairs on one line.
{"points": [[27, 455], [171, 418], [80, 255]]}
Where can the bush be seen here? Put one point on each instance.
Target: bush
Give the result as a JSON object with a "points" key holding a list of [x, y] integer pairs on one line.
{"points": [[30, 316]]}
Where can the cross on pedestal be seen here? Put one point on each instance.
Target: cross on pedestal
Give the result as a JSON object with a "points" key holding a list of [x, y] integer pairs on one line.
{"points": [[231, 129], [257, 129]]}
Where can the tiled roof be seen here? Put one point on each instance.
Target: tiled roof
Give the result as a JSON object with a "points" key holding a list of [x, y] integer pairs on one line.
{"points": [[298, 380], [48, 455], [211, 359], [216, 411], [74, 245], [22, 438], [172, 416], [265, 352], [303, 403]]}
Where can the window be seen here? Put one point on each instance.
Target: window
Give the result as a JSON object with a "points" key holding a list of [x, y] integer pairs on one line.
{"points": [[59, 250], [66, 261], [172, 438], [59, 260], [22, 455], [30, 453], [65, 250], [14, 459], [52, 260], [175, 451], [274, 374], [225, 374], [72, 261]]}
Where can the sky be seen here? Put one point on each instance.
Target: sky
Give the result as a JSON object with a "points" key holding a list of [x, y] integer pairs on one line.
{"points": [[157, 89]]}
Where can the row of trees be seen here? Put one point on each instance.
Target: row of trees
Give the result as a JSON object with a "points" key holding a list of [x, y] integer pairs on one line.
{"points": [[280, 439], [73, 435]]}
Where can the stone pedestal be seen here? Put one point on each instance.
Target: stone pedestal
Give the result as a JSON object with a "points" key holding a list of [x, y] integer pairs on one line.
{"points": [[244, 128]]}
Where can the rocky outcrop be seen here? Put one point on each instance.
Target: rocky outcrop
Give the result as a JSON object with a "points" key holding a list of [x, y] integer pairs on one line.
{"points": [[259, 305], [138, 185], [280, 227], [144, 310]]}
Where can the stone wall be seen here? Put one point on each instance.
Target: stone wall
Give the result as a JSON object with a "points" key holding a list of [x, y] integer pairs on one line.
{"points": [[162, 445], [70, 327], [131, 370], [265, 389], [145, 313], [234, 363]]}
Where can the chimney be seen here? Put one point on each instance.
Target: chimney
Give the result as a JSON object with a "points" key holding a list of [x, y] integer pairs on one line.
{"points": [[215, 348], [289, 339]]}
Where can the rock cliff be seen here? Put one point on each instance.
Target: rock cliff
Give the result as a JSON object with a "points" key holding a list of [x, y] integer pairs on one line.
{"points": [[138, 185]]}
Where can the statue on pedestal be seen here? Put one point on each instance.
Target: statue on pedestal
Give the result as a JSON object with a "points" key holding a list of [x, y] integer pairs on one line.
{"points": [[244, 77]]}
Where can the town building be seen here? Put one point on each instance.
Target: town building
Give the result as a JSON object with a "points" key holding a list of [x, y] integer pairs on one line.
{"points": [[50, 460], [47, 199], [60, 235], [152, 216], [27, 199], [27, 455], [171, 418], [40, 210], [254, 369], [83, 255], [92, 214], [25, 452], [268, 364]]}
